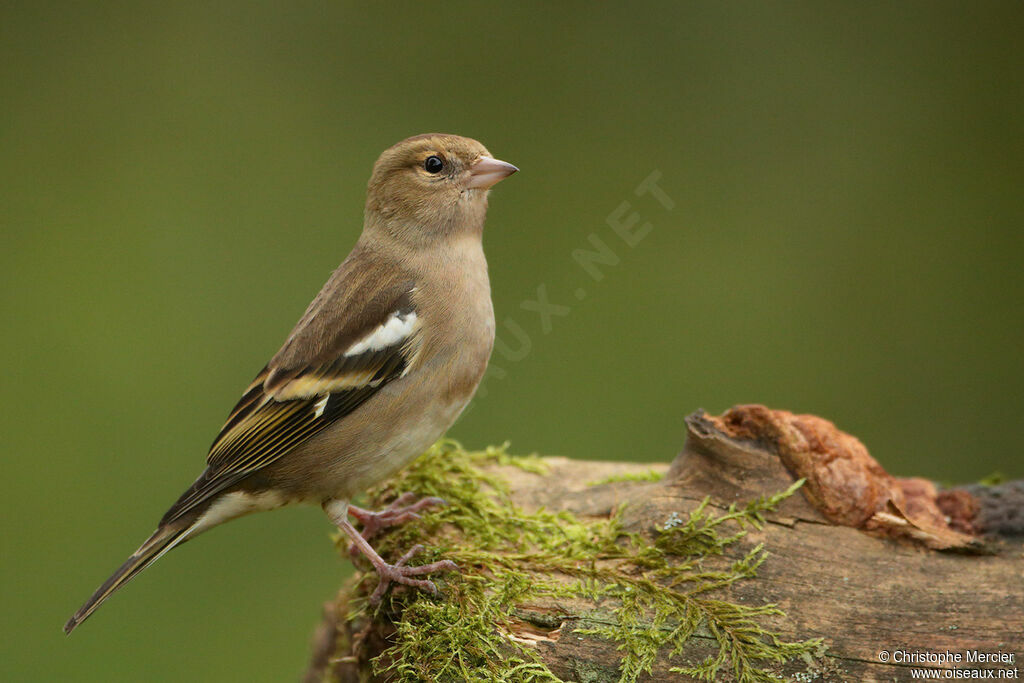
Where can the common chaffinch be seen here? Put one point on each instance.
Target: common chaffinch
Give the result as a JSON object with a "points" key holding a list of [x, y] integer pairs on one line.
{"points": [[378, 368]]}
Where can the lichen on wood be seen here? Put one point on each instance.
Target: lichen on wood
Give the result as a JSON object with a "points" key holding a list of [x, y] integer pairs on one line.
{"points": [[648, 591], [595, 571]]}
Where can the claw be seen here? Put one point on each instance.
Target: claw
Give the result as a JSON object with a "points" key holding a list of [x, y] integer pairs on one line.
{"points": [[399, 572], [398, 512]]}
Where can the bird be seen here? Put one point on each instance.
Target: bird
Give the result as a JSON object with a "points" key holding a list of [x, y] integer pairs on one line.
{"points": [[379, 366]]}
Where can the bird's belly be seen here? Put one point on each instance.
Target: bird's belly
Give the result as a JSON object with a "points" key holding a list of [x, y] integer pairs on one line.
{"points": [[395, 449]]}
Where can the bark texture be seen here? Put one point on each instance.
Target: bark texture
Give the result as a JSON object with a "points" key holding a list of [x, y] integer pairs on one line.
{"points": [[866, 561]]}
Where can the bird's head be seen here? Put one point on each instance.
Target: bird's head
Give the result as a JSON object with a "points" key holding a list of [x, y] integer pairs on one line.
{"points": [[432, 185]]}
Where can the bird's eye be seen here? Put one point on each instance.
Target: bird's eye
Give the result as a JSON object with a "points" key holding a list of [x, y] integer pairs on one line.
{"points": [[433, 164]]}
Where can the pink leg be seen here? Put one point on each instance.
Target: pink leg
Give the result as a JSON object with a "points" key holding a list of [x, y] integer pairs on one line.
{"points": [[388, 573], [399, 512]]}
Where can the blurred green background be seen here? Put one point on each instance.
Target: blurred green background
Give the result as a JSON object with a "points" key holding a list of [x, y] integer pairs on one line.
{"points": [[180, 178]]}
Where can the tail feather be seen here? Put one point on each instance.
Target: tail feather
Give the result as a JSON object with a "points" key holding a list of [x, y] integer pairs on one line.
{"points": [[162, 540]]}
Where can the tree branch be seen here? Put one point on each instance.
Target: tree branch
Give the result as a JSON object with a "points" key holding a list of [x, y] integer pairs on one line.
{"points": [[862, 560]]}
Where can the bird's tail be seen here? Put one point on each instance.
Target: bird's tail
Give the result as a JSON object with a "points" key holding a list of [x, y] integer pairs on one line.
{"points": [[163, 539]]}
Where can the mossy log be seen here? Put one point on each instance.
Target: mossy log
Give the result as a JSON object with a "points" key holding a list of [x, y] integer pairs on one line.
{"points": [[652, 582]]}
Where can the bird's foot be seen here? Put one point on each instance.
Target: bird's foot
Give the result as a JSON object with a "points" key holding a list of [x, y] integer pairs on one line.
{"points": [[400, 511], [400, 573], [396, 513]]}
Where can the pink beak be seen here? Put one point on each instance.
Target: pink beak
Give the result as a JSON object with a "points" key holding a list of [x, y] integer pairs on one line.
{"points": [[486, 172]]}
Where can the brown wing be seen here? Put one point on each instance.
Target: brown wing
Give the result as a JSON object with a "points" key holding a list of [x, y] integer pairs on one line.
{"points": [[312, 383]]}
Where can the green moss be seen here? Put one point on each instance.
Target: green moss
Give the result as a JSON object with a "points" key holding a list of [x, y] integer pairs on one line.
{"points": [[649, 475], [656, 594], [993, 479]]}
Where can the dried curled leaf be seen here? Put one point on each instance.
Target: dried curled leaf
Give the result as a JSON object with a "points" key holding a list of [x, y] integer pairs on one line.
{"points": [[844, 482]]}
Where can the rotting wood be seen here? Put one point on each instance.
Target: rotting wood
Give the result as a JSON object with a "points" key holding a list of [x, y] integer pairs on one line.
{"points": [[866, 561]]}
